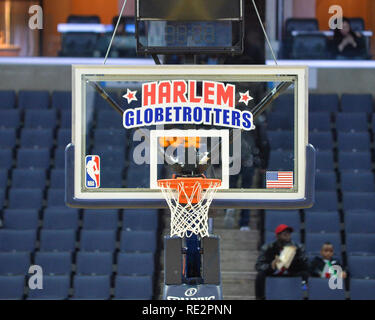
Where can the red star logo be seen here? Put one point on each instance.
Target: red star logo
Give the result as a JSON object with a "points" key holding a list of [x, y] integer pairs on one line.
{"points": [[245, 97], [130, 96]]}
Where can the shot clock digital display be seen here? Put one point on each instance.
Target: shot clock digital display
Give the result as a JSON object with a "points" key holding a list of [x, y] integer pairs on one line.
{"points": [[189, 26], [188, 34]]}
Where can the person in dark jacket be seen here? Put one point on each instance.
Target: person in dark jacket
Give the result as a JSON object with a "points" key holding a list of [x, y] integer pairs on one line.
{"points": [[269, 258], [348, 44], [322, 266]]}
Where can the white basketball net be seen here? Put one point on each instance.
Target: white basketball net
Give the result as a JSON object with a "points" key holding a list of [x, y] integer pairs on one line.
{"points": [[190, 218]]}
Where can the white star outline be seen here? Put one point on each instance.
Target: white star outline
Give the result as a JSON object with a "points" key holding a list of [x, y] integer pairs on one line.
{"points": [[246, 94], [126, 96]]}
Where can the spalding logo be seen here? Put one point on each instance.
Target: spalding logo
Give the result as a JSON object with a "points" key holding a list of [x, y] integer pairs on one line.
{"points": [[191, 292]]}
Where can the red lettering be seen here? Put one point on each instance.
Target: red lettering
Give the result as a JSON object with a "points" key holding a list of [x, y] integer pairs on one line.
{"points": [[179, 90], [209, 92], [164, 92], [149, 93], [225, 96], [192, 92]]}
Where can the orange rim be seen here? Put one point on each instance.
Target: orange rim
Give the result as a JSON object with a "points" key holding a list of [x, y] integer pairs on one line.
{"points": [[188, 186]]}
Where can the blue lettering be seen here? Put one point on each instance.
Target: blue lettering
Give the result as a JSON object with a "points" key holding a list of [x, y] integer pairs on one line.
{"points": [[177, 113], [138, 117], [217, 115], [207, 115], [148, 115], [197, 115], [168, 114], [226, 114], [247, 123], [159, 115], [186, 114], [236, 115], [128, 118]]}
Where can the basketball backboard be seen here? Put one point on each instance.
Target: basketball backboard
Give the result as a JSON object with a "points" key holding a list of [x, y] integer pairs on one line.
{"points": [[134, 125]]}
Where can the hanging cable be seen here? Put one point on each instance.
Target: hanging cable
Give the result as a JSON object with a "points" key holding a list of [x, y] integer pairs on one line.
{"points": [[265, 33], [114, 32]]}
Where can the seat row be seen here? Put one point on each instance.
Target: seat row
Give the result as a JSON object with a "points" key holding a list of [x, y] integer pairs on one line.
{"points": [[79, 287]]}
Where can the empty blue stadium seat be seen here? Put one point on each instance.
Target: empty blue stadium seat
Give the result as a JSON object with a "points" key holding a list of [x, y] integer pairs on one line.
{"points": [[321, 140], [24, 219], [353, 141], [133, 288], [41, 138], [6, 159], [54, 262], [54, 288], [320, 290], [7, 138], [56, 198], [98, 240], [10, 118], [105, 137], [17, 240], [316, 222], [138, 176], [283, 288], [284, 103], [29, 179], [25, 198], [274, 218], [362, 267], [143, 241], [281, 160], [357, 103], [59, 158], [33, 99], [66, 119], [3, 179], [314, 242], [325, 201], [12, 288], [111, 178], [14, 263], [135, 263], [60, 218], [281, 140], [361, 289], [323, 102], [57, 240], [363, 222], [57, 179], [324, 161], [7, 99], [111, 158], [355, 161], [357, 182], [62, 100], [108, 119], [40, 119], [277, 121], [319, 121], [358, 200], [64, 137], [360, 244], [94, 263], [270, 237], [351, 122], [140, 219], [33, 158], [92, 287], [100, 219], [325, 181]]}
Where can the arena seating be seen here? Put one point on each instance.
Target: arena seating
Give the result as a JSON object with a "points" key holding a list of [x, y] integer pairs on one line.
{"points": [[342, 130], [85, 254]]}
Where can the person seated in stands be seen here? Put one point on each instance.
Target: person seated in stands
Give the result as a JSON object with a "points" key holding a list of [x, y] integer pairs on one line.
{"points": [[280, 258], [321, 266], [348, 44]]}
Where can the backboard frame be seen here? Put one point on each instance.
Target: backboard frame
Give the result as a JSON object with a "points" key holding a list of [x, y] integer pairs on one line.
{"points": [[305, 157]]}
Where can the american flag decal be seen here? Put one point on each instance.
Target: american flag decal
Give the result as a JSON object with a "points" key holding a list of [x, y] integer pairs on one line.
{"points": [[279, 179]]}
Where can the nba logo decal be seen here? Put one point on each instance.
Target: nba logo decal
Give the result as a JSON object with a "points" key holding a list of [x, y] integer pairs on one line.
{"points": [[92, 172]]}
